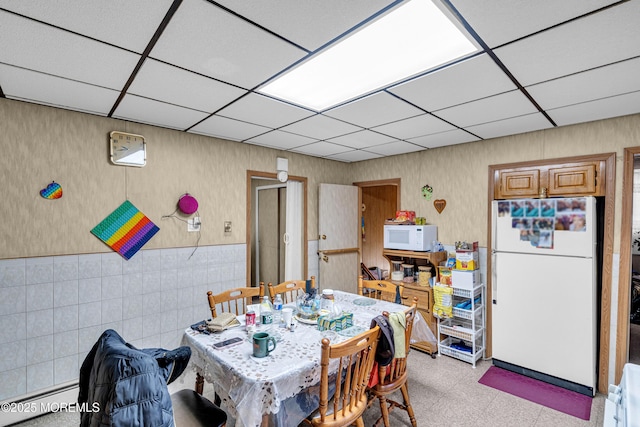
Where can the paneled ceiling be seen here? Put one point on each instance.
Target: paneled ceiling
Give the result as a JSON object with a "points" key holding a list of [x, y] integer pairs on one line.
{"points": [[196, 65]]}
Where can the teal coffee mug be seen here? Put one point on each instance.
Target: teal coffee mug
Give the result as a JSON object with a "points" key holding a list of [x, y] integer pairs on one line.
{"points": [[261, 342]]}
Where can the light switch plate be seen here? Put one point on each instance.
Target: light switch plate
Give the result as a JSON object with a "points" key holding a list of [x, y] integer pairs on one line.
{"points": [[193, 224]]}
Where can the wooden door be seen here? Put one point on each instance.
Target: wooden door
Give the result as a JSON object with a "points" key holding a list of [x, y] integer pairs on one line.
{"points": [[378, 204], [338, 220]]}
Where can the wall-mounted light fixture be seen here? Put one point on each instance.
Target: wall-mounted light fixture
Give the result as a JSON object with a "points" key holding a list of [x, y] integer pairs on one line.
{"points": [[282, 166]]}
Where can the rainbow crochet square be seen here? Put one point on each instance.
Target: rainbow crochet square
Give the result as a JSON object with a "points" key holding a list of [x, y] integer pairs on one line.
{"points": [[125, 230]]}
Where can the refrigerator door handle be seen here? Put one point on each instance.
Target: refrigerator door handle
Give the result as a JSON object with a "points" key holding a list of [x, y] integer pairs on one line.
{"points": [[494, 281]]}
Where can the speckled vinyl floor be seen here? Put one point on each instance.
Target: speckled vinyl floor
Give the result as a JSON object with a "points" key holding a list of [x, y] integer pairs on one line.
{"points": [[444, 392]]}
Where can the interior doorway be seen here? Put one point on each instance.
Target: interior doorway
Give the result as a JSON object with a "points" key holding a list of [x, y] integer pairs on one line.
{"points": [[271, 214], [628, 333], [269, 224], [379, 201]]}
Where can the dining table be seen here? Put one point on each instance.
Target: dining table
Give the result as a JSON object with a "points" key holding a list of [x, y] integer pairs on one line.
{"points": [[282, 388]]}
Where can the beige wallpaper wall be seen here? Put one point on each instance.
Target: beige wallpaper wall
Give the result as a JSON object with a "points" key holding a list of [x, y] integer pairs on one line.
{"points": [[43, 144], [459, 174]]}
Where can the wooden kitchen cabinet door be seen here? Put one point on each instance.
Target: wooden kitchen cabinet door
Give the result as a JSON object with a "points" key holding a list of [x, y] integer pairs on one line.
{"points": [[578, 179], [552, 180], [517, 183]]}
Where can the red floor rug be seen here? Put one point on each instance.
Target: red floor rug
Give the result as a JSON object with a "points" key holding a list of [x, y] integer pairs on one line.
{"points": [[539, 392]]}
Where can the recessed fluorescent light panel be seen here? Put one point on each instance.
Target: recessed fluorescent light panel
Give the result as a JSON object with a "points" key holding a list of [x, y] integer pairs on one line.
{"points": [[410, 39]]}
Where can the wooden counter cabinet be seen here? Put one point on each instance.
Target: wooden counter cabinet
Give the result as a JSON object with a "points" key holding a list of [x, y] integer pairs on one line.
{"points": [[424, 294]]}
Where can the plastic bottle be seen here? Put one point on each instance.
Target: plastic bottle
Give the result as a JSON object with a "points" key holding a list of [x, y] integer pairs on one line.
{"points": [[277, 309], [326, 301], [266, 311]]}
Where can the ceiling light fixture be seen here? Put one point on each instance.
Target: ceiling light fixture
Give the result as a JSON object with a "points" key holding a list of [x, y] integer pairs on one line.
{"points": [[410, 39]]}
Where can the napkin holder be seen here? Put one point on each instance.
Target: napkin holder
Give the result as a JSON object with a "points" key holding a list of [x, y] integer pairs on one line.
{"points": [[327, 323]]}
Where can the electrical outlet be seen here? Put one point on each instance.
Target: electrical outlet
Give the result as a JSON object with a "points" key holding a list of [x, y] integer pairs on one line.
{"points": [[193, 224], [227, 226]]}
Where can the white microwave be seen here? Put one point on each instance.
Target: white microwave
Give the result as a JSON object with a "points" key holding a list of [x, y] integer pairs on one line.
{"points": [[410, 237]]}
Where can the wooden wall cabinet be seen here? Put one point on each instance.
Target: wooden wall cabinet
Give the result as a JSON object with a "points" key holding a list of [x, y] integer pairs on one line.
{"points": [[424, 294], [566, 180]]}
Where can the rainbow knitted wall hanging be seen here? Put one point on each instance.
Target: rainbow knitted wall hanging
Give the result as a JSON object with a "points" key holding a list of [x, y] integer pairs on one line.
{"points": [[125, 230]]}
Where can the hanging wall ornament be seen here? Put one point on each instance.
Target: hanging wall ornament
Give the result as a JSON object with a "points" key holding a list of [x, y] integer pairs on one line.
{"points": [[187, 204], [439, 204], [427, 192], [125, 230], [53, 191]]}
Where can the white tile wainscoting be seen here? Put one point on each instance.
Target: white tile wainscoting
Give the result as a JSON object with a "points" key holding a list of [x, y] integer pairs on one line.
{"points": [[53, 309]]}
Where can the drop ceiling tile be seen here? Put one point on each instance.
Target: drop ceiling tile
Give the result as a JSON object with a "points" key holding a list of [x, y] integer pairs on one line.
{"points": [[452, 137], [615, 79], [612, 34], [503, 106], [31, 86], [42, 48], [374, 110], [321, 127], [475, 78], [128, 24], [308, 23], [264, 111], [512, 126], [362, 139], [393, 148], [222, 127], [138, 109], [167, 83], [321, 149], [354, 156], [206, 39], [416, 126], [498, 22], [597, 110], [281, 140]]}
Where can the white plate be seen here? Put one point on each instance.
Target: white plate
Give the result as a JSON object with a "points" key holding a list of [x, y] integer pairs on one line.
{"points": [[306, 321]]}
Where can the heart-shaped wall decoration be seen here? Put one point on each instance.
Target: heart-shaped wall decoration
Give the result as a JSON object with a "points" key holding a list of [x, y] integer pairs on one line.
{"points": [[439, 204], [53, 191]]}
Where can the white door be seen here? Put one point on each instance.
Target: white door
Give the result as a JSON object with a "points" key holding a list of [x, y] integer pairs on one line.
{"points": [[338, 237]]}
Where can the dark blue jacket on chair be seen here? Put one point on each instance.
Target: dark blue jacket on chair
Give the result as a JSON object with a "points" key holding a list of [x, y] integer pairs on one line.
{"points": [[129, 384]]}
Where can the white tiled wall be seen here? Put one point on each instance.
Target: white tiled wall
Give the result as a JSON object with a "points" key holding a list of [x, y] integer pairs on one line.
{"points": [[53, 309]]}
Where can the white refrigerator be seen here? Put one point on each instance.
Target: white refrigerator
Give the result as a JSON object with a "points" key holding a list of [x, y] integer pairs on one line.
{"points": [[544, 302]]}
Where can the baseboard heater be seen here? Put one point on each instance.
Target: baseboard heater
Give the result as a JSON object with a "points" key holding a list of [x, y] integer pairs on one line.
{"points": [[62, 397], [569, 385]]}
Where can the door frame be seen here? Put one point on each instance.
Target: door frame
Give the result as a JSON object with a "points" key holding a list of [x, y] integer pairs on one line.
{"points": [[624, 276], [379, 183], [256, 194], [607, 251], [248, 224]]}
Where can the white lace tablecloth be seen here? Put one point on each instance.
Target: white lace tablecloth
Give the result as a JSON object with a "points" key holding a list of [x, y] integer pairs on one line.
{"points": [[280, 384]]}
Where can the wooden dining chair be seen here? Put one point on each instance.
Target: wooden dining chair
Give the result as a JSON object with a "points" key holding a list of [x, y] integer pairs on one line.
{"points": [[235, 300], [230, 301], [394, 376], [290, 289], [379, 289], [355, 359]]}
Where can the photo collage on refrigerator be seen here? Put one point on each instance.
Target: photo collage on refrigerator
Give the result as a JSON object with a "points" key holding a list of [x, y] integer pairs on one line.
{"points": [[537, 219]]}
